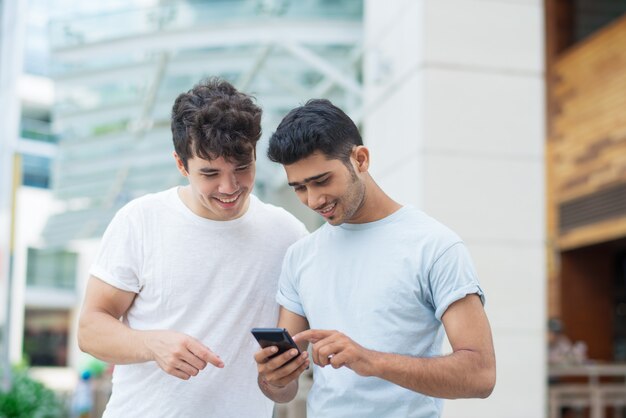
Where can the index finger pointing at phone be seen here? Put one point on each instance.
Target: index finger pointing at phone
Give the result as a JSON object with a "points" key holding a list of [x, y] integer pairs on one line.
{"points": [[312, 335]]}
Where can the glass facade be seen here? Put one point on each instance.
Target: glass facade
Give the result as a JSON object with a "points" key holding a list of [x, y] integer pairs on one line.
{"points": [[120, 69]]}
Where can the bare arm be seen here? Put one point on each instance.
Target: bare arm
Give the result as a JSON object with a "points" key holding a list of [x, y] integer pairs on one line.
{"points": [[469, 372], [103, 335], [278, 379]]}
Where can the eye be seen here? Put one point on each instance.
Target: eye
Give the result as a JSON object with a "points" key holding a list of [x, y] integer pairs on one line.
{"points": [[322, 182], [300, 188], [209, 175], [243, 168]]}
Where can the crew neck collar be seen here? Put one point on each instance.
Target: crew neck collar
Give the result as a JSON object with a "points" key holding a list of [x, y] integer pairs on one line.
{"points": [[383, 221]]}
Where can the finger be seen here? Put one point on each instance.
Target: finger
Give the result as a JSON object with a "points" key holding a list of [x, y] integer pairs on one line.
{"points": [[193, 360], [322, 349], [283, 375], [294, 375], [339, 360], [291, 371], [288, 368], [215, 360], [312, 335], [282, 359], [204, 353], [328, 350], [262, 356], [178, 373], [187, 369]]}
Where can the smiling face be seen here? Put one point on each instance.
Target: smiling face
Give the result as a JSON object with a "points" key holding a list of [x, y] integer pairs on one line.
{"points": [[329, 187], [218, 189]]}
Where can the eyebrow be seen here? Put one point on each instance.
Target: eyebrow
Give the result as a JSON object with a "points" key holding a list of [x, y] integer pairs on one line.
{"points": [[209, 170], [308, 179]]}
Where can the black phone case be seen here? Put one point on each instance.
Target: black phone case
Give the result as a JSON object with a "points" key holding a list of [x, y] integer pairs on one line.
{"points": [[274, 336]]}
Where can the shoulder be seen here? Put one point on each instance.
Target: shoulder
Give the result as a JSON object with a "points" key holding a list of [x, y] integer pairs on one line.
{"points": [[276, 216], [427, 227], [138, 206], [306, 245]]}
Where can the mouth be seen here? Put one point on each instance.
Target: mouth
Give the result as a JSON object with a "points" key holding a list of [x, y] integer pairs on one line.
{"points": [[328, 210], [227, 202]]}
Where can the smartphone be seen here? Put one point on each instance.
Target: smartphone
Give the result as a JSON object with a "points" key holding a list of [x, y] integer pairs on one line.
{"points": [[275, 336]]}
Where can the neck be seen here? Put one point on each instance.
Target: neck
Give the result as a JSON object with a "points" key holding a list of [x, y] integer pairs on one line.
{"points": [[376, 204]]}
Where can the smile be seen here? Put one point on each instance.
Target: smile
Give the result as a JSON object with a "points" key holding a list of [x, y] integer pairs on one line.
{"points": [[225, 200], [327, 210]]}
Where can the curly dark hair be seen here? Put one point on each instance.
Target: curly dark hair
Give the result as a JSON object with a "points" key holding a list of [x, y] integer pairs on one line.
{"points": [[215, 120], [317, 126]]}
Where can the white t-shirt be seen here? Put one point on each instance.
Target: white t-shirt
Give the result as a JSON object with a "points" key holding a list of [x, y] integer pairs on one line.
{"points": [[385, 284], [212, 280]]}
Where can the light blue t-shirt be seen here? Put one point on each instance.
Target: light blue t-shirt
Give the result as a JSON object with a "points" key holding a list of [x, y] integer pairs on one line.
{"points": [[386, 285]]}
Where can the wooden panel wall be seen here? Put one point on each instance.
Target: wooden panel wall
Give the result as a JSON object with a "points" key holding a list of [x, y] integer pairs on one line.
{"points": [[586, 138], [587, 292], [586, 147]]}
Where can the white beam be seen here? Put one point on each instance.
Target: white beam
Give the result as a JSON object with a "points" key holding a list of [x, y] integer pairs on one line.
{"points": [[37, 148], [242, 33], [324, 86], [323, 66], [245, 79], [196, 66]]}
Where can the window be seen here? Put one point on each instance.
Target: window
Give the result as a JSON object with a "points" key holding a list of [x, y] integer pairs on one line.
{"points": [[46, 336], [51, 268], [36, 171]]}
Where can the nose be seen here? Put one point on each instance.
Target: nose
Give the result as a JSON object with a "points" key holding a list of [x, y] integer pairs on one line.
{"points": [[313, 199], [229, 184]]}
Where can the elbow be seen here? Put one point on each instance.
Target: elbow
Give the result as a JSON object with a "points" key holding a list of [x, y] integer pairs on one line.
{"points": [[486, 390], [82, 336], [487, 383], [82, 344]]}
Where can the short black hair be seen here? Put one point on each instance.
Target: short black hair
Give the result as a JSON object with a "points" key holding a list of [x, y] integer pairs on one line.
{"points": [[317, 126], [215, 120]]}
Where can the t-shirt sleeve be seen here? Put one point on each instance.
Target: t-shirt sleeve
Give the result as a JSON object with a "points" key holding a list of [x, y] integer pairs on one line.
{"points": [[287, 295], [118, 262], [452, 277]]}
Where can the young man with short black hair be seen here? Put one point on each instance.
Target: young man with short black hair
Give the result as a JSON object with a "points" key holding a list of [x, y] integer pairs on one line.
{"points": [[373, 289]]}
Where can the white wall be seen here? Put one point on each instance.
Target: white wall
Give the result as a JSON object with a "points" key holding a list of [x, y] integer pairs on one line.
{"points": [[33, 206], [454, 118]]}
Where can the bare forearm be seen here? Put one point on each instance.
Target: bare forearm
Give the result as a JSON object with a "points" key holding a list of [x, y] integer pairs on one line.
{"points": [[462, 374], [279, 394], [110, 340]]}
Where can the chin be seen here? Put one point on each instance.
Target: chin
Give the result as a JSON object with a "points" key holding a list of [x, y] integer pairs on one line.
{"points": [[335, 222]]}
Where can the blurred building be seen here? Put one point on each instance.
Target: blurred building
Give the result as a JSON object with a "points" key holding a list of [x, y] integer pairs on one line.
{"points": [[43, 295], [451, 97]]}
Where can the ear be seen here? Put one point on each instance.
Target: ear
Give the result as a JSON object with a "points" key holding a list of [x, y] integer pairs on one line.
{"points": [[362, 156], [180, 165]]}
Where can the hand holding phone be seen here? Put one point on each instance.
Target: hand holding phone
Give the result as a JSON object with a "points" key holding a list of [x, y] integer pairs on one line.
{"points": [[276, 376]]}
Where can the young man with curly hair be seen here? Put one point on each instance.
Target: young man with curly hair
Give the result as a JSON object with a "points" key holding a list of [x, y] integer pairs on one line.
{"points": [[189, 271]]}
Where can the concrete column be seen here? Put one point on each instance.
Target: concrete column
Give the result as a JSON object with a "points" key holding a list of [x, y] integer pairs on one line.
{"points": [[11, 56], [454, 118]]}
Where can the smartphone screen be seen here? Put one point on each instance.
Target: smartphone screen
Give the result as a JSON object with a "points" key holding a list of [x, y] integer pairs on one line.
{"points": [[278, 337]]}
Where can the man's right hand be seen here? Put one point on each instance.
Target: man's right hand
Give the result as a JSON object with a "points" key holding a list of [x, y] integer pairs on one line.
{"points": [[179, 354], [278, 372]]}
